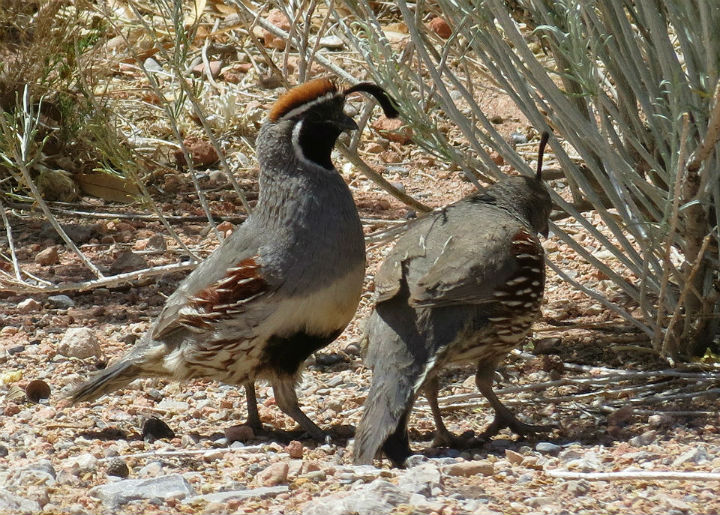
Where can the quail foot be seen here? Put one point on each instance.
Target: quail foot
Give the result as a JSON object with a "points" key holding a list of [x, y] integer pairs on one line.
{"points": [[284, 284]]}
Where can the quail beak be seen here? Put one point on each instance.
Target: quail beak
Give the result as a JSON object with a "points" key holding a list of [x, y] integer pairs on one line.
{"points": [[345, 123]]}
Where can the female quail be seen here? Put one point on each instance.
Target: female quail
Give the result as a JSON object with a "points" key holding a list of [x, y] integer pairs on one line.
{"points": [[463, 284]]}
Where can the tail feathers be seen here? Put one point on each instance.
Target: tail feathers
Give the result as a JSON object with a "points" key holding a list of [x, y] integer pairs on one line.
{"points": [[391, 395], [110, 379]]}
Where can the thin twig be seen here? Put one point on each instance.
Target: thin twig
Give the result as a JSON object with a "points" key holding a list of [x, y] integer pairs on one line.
{"points": [[712, 136], [674, 214], [688, 282], [639, 475], [188, 452], [129, 215], [104, 282], [11, 244]]}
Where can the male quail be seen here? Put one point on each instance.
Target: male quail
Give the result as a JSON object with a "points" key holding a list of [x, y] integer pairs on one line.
{"points": [[463, 284], [284, 284]]}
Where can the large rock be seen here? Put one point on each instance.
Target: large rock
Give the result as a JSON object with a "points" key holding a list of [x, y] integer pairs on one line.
{"points": [[27, 489], [10, 503], [425, 479], [161, 488], [380, 496], [41, 472], [234, 495]]}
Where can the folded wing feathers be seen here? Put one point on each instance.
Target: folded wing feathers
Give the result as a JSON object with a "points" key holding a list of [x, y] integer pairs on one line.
{"points": [[242, 284]]}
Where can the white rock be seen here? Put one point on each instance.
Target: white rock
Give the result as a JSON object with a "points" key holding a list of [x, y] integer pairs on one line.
{"points": [[423, 479], [79, 342], [10, 503], [152, 469], [39, 473], [173, 406], [250, 493], [696, 455], [28, 306], [81, 464], [332, 42], [162, 488], [380, 496]]}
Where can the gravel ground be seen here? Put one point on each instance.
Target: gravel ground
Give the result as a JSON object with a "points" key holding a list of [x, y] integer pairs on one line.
{"points": [[632, 436], [594, 383]]}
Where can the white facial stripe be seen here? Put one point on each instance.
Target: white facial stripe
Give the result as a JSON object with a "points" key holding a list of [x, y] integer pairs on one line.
{"points": [[307, 105], [298, 148]]}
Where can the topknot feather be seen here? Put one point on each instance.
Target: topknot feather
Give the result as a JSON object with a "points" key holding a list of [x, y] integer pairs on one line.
{"points": [[300, 95]]}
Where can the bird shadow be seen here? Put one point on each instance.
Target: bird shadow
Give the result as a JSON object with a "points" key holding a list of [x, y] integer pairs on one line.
{"points": [[339, 434]]}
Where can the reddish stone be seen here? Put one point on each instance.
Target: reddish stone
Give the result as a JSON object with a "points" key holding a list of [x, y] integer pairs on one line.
{"points": [[440, 27]]}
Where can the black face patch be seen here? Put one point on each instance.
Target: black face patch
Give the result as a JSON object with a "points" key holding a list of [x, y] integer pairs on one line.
{"points": [[288, 353], [316, 140]]}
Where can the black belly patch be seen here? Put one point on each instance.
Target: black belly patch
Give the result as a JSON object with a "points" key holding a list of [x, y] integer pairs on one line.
{"points": [[286, 354]]}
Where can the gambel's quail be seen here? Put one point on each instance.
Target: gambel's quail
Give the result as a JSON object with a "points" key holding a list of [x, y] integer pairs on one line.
{"points": [[284, 284], [461, 285]]}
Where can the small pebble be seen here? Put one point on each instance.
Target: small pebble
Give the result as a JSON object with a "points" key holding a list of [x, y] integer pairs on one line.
{"points": [[374, 148], [514, 457], [659, 420], [540, 501], [646, 438], [696, 455], [469, 468], [215, 67], [518, 138], [332, 42], [440, 27], [48, 256], [578, 488], [61, 301], [241, 433], [155, 429], [152, 65], [548, 447], [152, 469], [28, 306], [295, 449], [274, 474], [157, 241], [353, 349], [128, 261], [79, 342]]}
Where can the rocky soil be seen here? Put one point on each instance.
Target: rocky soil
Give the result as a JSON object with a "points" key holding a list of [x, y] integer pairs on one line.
{"points": [[617, 409], [632, 435]]}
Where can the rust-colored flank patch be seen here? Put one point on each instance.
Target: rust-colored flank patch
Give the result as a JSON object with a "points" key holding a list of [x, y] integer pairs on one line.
{"points": [[299, 95], [242, 281]]}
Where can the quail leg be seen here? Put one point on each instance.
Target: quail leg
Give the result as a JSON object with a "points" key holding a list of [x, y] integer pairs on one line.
{"points": [[284, 390], [443, 437], [253, 419], [503, 416]]}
